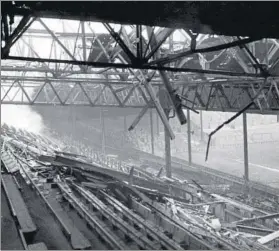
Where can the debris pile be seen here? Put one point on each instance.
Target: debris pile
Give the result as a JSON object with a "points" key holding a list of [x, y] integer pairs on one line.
{"points": [[185, 215]]}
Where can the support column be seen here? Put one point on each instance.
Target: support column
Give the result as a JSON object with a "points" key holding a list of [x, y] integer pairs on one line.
{"points": [[164, 101], [278, 118], [103, 130], [125, 130], [152, 133], [125, 124], [246, 163], [73, 122], [189, 137], [158, 125], [201, 124], [167, 151], [83, 41]]}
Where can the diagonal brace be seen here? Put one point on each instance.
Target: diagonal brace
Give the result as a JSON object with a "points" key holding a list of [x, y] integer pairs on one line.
{"points": [[118, 39], [190, 52], [161, 38], [60, 43], [16, 34], [138, 118]]}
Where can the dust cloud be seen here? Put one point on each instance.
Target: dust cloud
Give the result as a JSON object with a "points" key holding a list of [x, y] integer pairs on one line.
{"points": [[21, 116]]}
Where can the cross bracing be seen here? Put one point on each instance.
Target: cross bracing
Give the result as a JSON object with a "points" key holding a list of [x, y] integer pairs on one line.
{"points": [[91, 66]]}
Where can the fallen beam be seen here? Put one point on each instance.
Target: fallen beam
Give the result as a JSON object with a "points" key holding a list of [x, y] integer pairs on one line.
{"points": [[89, 168], [204, 204], [256, 229], [251, 220], [269, 238]]}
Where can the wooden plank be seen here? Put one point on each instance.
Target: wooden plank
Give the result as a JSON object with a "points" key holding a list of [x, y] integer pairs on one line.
{"points": [[265, 217], [94, 185], [17, 203], [8, 227], [77, 239], [255, 229], [268, 238], [234, 203]]}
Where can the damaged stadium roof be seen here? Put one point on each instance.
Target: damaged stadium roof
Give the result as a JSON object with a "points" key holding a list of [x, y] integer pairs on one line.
{"points": [[253, 19]]}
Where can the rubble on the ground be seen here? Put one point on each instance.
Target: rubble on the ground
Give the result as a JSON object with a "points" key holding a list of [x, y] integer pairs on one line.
{"points": [[218, 220]]}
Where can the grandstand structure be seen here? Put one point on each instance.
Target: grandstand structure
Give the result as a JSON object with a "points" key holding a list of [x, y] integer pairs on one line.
{"points": [[86, 63], [128, 93]]}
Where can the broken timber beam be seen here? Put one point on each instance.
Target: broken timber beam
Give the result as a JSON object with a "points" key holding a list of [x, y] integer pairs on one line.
{"points": [[251, 220], [269, 238]]}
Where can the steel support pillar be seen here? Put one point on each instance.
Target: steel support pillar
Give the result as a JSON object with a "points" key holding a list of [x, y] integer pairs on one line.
{"points": [[83, 41], [167, 149], [246, 164], [278, 118], [73, 117], [201, 124], [125, 123], [189, 137], [158, 125], [152, 132], [125, 130], [103, 131]]}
